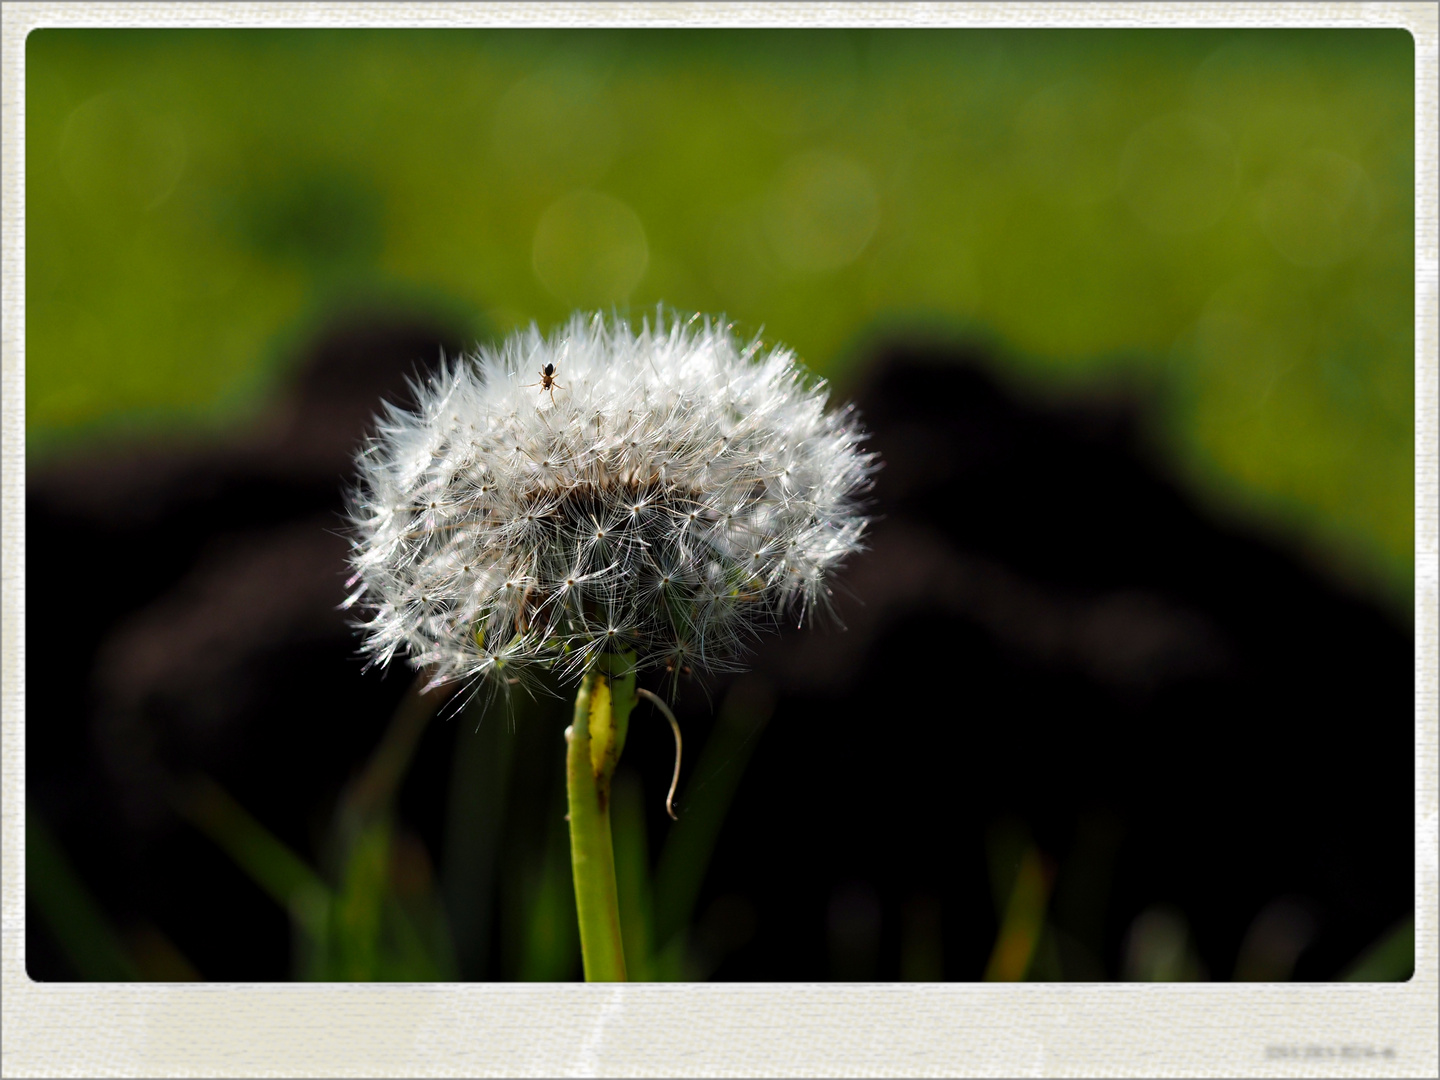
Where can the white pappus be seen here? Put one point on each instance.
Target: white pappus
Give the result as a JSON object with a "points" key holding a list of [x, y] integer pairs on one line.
{"points": [[602, 490]]}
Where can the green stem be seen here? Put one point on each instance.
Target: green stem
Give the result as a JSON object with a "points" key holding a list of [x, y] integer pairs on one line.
{"points": [[595, 740]]}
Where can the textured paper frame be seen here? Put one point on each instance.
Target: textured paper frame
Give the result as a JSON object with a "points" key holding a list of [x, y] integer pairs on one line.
{"points": [[937, 1029]]}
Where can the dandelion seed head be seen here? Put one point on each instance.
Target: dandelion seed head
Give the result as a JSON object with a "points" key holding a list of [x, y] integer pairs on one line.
{"points": [[678, 495]]}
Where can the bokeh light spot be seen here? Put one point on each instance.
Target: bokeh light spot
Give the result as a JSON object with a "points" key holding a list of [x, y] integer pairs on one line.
{"points": [[1179, 173], [556, 129], [1320, 211], [741, 266], [795, 82], [115, 157], [1066, 142], [590, 249], [1252, 332], [821, 213]]}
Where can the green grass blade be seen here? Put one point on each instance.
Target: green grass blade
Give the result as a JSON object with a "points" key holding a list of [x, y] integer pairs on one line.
{"points": [[475, 813], [1391, 959], [550, 949], [271, 864], [632, 873], [81, 928], [1024, 921]]}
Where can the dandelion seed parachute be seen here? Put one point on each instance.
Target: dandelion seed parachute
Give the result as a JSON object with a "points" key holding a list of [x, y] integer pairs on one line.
{"points": [[679, 495]]}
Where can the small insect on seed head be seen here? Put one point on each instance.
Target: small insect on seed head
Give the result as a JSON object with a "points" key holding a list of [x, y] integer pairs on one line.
{"points": [[547, 381]]}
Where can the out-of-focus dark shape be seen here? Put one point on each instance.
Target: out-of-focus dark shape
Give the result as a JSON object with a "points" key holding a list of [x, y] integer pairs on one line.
{"points": [[853, 927], [922, 951], [726, 925], [184, 616], [1280, 933]]}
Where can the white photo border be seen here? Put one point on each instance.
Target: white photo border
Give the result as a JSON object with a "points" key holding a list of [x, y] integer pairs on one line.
{"points": [[937, 1029]]}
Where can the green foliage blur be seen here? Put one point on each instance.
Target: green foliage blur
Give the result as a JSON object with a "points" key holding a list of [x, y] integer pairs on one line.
{"points": [[1221, 221]]}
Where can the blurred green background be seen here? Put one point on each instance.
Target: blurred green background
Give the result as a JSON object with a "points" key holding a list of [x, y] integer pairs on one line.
{"points": [[1221, 222]]}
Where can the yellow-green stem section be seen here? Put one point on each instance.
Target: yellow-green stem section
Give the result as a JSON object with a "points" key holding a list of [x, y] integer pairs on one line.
{"points": [[595, 739]]}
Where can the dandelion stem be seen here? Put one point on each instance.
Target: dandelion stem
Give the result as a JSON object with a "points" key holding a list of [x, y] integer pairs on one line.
{"points": [[595, 740]]}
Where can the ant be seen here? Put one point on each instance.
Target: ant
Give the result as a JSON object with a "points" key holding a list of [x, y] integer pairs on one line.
{"points": [[547, 382]]}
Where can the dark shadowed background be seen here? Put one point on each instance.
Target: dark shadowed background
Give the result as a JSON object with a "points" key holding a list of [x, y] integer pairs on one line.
{"points": [[1124, 688]]}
